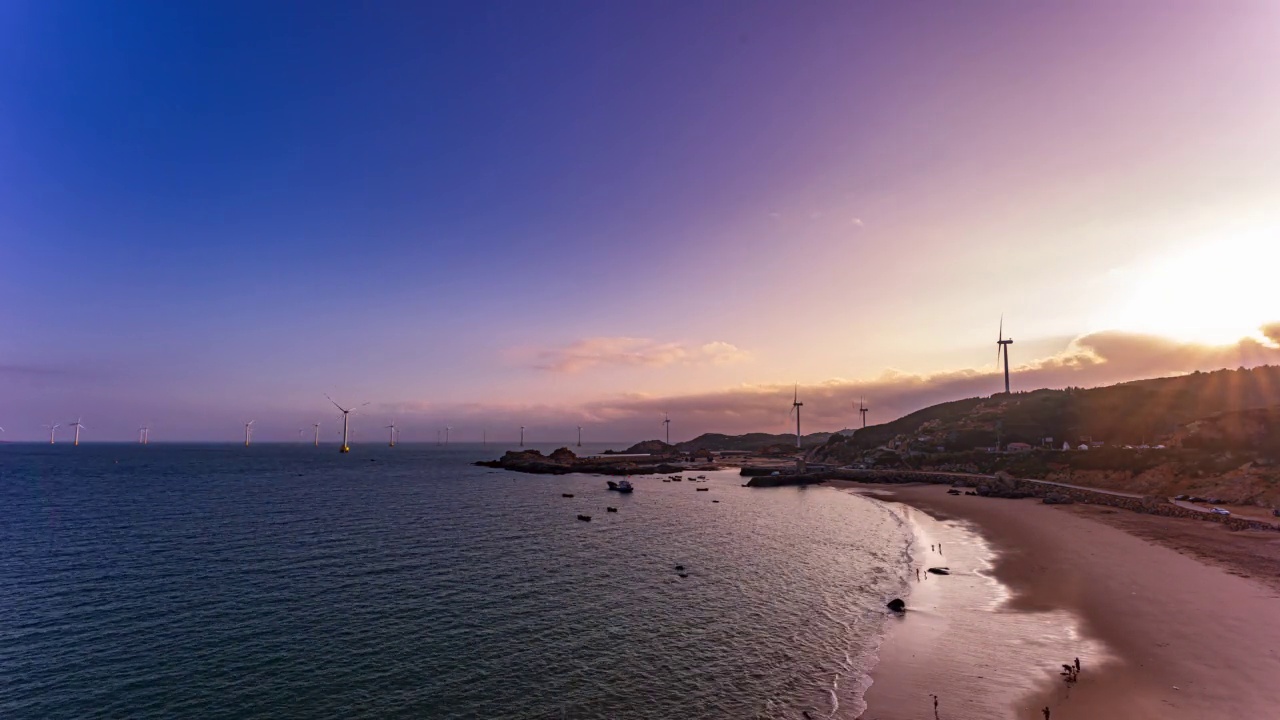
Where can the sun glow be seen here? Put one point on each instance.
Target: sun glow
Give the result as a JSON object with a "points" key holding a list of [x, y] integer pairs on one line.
{"points": [[1215, 294]]}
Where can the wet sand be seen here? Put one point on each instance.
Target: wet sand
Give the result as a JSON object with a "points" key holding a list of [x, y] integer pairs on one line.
{"points": [[1160, 633]]}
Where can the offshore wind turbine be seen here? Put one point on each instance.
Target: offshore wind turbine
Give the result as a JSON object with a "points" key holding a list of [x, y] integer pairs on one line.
{"points": [[1002, 346], [53, 427], [447, 428], [77, 425], [795, 409], [346, 425], [666, 422], [392, 428], [317, 429], [144, 434], [521, 436], [579, 436], [248, 432]]}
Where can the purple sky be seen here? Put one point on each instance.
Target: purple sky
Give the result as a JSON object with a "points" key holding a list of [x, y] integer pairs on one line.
{"points": [[554, 214]]}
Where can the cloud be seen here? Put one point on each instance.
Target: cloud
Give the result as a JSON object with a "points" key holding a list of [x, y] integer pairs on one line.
{"points": [[1097, 359], [857, 221], [633, 352]]}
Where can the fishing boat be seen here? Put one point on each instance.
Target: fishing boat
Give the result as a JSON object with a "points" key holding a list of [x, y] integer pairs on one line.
{"points": [[624, 487]]}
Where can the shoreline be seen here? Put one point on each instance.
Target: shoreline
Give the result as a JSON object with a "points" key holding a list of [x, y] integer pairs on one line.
{"points": [[1159, 633]]}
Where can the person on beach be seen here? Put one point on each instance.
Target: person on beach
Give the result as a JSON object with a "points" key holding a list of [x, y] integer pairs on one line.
{"points": [[1077, 666], [939, 548], [1046, 712]]}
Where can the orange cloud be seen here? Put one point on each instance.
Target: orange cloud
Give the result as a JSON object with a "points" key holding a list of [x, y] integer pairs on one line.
{"points": [[1096, 359]]}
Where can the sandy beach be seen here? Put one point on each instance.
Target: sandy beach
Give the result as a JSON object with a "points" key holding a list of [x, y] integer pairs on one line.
{"points": [[1170, 618]]}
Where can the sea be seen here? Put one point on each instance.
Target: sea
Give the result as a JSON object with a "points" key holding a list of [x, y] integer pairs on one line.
{"points": [[289, 581]]}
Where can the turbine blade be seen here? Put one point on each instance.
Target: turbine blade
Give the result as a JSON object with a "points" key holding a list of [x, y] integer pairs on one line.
{"points": [[1001, 326], [335, 403]]}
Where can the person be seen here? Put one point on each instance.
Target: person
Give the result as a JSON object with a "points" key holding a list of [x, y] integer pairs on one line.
{"points": [[1046, 712], [1077, 666], [939, 548]]}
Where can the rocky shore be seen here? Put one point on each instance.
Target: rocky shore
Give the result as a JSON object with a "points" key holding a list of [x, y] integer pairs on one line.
{"points": [[564, 461]]}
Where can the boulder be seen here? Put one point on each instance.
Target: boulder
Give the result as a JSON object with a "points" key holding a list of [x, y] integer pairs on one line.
{"points": [[563, 455], [1057, 499], [897, 605]]}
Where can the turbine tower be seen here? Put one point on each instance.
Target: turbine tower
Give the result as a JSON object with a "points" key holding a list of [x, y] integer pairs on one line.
{"points": [[666, 422], [579, 436], [77, 425], [862, 408], [144, 434], [53, 427], [795, 408], [317, 429], [301, 434], [248, 433], [447, 428], [1002, 347], [346, 425], [392, 428]]}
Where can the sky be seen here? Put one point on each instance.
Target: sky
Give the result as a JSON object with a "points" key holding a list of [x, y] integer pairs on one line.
{"points": [[495, 214]]}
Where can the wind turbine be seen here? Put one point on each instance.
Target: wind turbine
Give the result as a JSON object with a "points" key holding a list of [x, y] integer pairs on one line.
{"points": [[77, 425], [447, 428], [795, 409], [301, 431], [484, 437], [317, 428], [392, 428], [248, 433], [346, 414], [53, 427], [144, 434], [666, 422], [521, 436], [1002, 347], [579, 436], [862, 408]]}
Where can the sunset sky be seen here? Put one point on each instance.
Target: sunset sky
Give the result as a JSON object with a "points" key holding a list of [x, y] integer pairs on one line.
{"points": [[552, 214]]}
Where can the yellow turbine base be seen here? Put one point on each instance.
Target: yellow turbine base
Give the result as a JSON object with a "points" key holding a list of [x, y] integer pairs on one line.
{"points": [[344, 449]]}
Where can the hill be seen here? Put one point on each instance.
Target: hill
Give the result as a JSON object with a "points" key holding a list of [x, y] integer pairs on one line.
{"points": [[750, 441], [1133, 413], [1210, 434]]}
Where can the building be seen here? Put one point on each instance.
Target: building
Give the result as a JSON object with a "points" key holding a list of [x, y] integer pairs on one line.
{"points": [[1018, 447]]}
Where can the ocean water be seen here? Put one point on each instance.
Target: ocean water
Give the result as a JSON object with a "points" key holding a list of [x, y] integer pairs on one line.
{"points": [[282, 581]]}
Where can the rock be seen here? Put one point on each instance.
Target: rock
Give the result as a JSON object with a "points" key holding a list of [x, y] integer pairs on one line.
{"points": [[611, 509], [679, 567], [940, 571], [897, 605], [953, 491], [1057, 499], [563, 455]]}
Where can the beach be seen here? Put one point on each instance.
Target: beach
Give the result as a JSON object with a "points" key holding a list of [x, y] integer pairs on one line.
{"points": [[1170, 618]]}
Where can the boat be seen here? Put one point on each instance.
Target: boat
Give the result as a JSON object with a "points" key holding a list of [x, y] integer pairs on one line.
{"points": [[611, 509], [612, 485], [566, 494], [623, 486], [586, 518], [702, 489]]}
